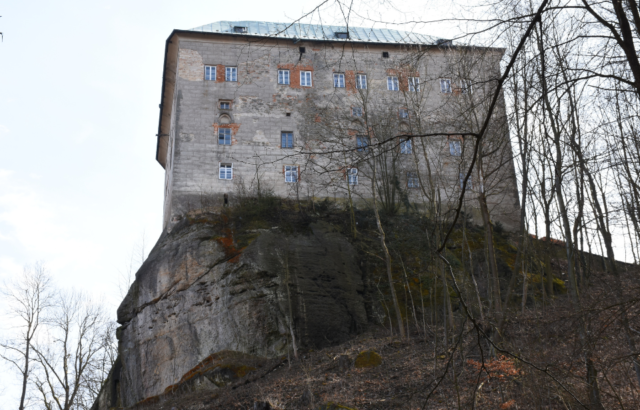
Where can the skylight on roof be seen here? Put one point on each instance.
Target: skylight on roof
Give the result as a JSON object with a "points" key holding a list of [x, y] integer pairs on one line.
{"points": [[239, 29], [342, 34]]}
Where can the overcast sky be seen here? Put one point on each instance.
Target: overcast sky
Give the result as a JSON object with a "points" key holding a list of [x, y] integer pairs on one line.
{"points": [[80, 86]]}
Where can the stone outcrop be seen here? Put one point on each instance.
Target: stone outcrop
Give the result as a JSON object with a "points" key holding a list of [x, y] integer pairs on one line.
{"points": [[200, 292]]}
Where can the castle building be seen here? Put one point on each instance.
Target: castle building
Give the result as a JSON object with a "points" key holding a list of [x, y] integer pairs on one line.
{"points": [[246, 102]]}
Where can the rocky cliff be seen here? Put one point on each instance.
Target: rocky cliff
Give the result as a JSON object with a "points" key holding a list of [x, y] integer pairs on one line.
{"points": [[205, 288]]}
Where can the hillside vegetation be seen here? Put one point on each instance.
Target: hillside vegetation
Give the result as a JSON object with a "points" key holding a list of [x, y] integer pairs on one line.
{"points": [[459, 351]]}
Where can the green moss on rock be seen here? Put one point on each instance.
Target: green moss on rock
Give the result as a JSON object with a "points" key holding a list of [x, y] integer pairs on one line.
{"points": [[368, 358], [334, 406]]}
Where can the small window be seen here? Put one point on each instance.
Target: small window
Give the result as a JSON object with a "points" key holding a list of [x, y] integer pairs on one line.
{"points": [[455, 148], [352, 176], [412, 180], [405, 146], [283, 77], [305, 78], [361, 81], [356, 111], [338, 80], [392, 83], [385, 54], [210, 73], [445, 86], [362, 143], [226, 171], [290, 173], [465, 87], [469, 181], [343, 35], [414, 84], [239, 29], [224, 136], [302, 50], [225, 105], [403, 113], [231, 74], [286, 139]]}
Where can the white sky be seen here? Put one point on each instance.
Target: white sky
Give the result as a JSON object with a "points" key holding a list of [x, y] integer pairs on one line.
{"points": [[80, 86]]}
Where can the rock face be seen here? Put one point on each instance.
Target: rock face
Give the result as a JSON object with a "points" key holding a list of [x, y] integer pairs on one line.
{"points": [[197, 294]]}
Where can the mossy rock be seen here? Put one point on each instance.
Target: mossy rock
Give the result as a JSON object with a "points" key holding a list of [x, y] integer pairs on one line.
{"points": [[334, 406], [368, 358]]}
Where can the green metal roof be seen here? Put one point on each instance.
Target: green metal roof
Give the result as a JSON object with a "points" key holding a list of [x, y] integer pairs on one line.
{"points": [[317, 32]]}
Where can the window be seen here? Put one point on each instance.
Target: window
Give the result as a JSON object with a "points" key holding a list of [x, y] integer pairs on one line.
{"points": [[412, 180], [305, 78], [403, 113], [405, 146], [469, 182], [385, 54], [239, 29], [286, 139], [224, 136], [302, 50], [290, 173], [356, 111], [338, 80], [343, 35], [225, 105], [283, 77], [226, 171], [231, 74], [392, 83], [414, 84], [362, 142], [361, 81], [465, 87], [352, 176], [445, 86], [210, 73], [455, 148]]}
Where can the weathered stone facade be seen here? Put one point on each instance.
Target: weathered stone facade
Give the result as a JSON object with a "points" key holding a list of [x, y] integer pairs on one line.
{"points": [[260, 109]]}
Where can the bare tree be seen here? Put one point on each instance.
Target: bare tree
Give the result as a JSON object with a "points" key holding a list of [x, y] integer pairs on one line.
{"points": [[71, 355], [28, 299]]}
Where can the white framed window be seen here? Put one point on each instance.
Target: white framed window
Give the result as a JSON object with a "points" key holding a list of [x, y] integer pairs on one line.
{"points": [[445, 85], [455, 148], [231, 74], [403, 113], [392, 83], [362, 142], [465, 87], [352, 176], [210, 73], [286, 139], [356, 111], [414, 84], [283, 77], [469, 181], [290, 173], [412, 180], [338, 80], [225, 171], [305, 78], [225, 105], [405, 146], [224, 136], [361, 81]]}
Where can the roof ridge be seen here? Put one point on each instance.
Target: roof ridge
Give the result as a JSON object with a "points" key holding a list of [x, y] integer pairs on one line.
{"points": [[317, 32]]}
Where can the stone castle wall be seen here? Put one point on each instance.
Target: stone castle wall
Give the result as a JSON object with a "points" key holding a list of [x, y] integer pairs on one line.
{"points": [[261, 109]]}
